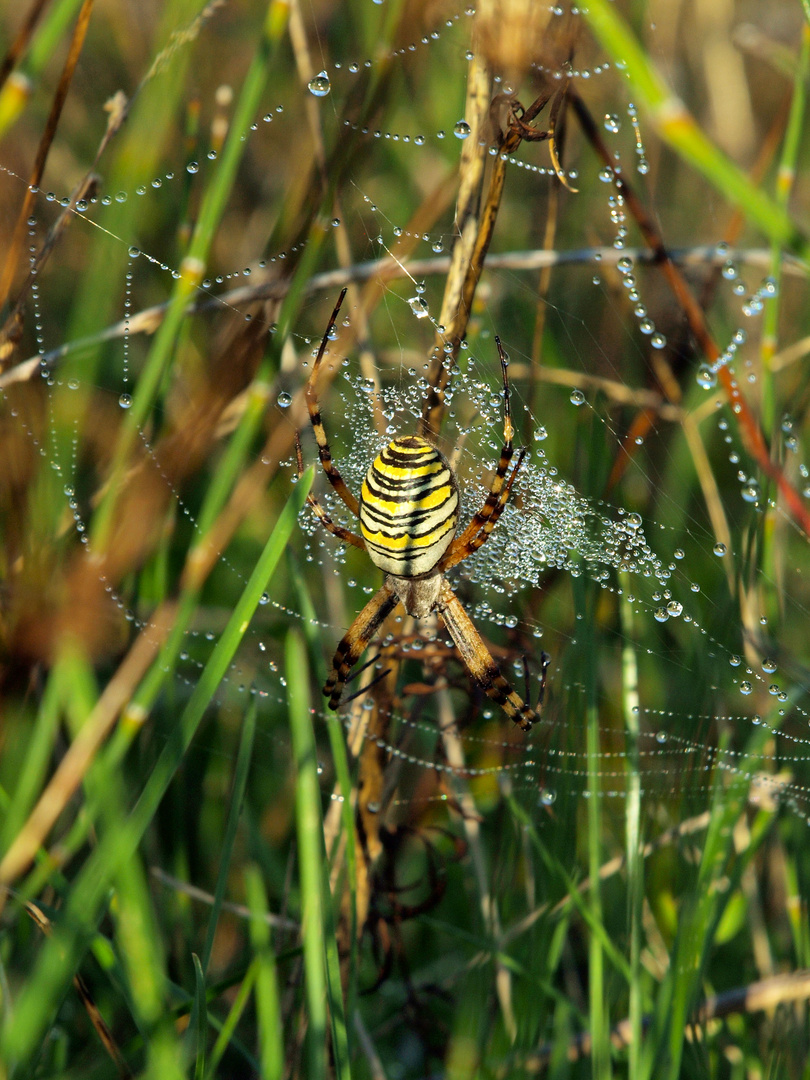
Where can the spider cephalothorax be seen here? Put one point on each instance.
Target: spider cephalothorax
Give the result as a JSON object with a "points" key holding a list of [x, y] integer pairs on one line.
{"points": [[408, 512]]}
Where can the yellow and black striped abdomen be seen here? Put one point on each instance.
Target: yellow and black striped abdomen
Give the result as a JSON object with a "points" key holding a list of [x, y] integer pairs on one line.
{"points": [[408, 507]]}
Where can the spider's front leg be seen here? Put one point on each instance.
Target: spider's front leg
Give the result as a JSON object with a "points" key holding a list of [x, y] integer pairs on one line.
{"points": [[356, 640]]}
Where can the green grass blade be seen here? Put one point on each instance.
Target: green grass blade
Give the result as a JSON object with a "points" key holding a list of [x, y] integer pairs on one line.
{"points": [[314, 896], [268, 1005], [197, 1026], [340, 761], [232, 1019], [237, 795]]}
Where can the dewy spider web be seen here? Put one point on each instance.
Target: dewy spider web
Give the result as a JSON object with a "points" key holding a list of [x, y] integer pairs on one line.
{"points": [[548, 526]]}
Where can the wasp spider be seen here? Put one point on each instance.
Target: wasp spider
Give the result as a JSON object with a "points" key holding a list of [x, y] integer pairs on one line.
{"points": [[408, 513]]}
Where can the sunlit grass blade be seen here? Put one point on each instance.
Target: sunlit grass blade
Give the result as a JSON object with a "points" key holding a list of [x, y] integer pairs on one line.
{"points": [[635, 858], [61, 954]]}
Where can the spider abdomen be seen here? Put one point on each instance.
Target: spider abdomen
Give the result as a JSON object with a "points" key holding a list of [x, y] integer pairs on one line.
{"points": [[408, 507]]}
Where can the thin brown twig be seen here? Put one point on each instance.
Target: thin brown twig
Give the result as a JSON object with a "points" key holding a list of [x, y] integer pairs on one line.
{"points": [[76, 45]]}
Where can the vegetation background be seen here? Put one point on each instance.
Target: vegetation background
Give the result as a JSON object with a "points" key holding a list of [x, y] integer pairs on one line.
{"points": [[207, 873]]}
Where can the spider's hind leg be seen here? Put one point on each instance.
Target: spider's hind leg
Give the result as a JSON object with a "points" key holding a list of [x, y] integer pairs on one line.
{"points": [[479, 662]]}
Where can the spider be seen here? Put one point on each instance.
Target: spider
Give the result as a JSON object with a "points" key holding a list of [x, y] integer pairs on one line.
{"points": [[408, 513]]}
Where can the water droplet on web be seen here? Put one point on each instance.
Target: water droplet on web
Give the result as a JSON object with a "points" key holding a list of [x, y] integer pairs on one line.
{"points": [[192, 167], [735, 660], [320, 85], [121, 197], [577, 397], [540, 434], [547, 797], [746, 687], [633, 521], [462, 129], [284, 400], [674, 608], [612, 122], [419, 306], [769, 666], [125, 401], [719, 549], [706, 377]]}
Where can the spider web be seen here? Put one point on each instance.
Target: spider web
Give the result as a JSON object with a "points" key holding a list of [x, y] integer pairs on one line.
{"points": [[715, 626]]}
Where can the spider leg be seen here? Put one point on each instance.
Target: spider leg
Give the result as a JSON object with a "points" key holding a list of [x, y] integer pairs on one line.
{"points": [[479, 662], [320, 512], [356, 639], [324, 453], [474, 543], [497, 494]]}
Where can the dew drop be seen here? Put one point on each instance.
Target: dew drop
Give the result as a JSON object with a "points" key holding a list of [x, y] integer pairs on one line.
{"points": [[660, 614], [125, 401], [706, 377], [462, 129], [540, 434], [284, 400], [577, 397], [719, 549], [320, 85], [746, 687], [612, 123], [419, 306], [134, 252], [192, 167]]}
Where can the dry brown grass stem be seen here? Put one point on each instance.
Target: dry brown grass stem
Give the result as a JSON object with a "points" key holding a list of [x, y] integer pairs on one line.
{"points": [[149, 319], [762, 996], [750, 432], [72, 59]]}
